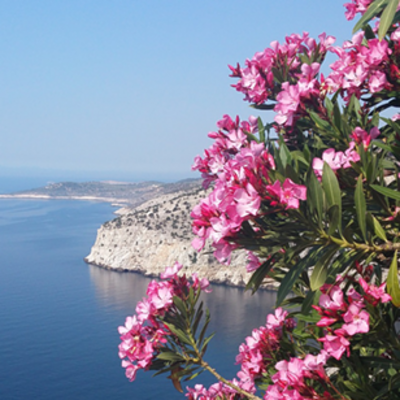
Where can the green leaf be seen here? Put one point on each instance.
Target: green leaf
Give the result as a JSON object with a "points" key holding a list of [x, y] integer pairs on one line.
{"points": [[312, 318], [261, 130], [315, 194], [393, 287], [361, 208], [170, 356], [393, 194], [379, 231], [259, 275], [331, 188], [278, 75], [179, 304], [380, 362], [179, 333], [204, 329], [329, 105], [205, 343], [288, 281], [284, 154], [310, 299], [374, 9], [387, 18], [337, 117], [319, 122], [333, 219], [293, 274], [197, 318], [320, 272]]}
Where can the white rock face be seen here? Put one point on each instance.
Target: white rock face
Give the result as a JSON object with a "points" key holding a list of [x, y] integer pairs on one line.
{"points": [[154, 235]]}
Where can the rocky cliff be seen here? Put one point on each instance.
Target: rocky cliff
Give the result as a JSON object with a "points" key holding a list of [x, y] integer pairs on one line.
{"points": [[157, 233]]}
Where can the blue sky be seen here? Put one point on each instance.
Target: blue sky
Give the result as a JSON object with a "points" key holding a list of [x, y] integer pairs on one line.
{"points": [[122, 89]]}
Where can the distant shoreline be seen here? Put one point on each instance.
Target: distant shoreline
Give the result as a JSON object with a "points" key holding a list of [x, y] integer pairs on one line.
{"points": [[114, 201]]}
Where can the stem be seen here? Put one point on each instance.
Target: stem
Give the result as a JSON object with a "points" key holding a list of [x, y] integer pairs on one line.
{"points": [[390, 246], [199, 361], [334, 388], [206, 366]]}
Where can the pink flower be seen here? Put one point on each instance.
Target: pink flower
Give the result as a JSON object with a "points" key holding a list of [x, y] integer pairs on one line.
{"points": [[290, 373], [144, 310], [289, 193], [160, 294], [171, 272], [333, 299], [335, 346], [203, 283], [357, 320], [375, 294], [253, 262], [276, 321], [315, 363], [328, 156], [361, 136], [377, 82], [247, 201], [130, 370], [288, 103], [335, 160]]}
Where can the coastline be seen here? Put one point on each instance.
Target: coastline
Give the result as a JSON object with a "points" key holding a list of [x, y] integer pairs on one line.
{"points": [[118, 202], [269, 286]]}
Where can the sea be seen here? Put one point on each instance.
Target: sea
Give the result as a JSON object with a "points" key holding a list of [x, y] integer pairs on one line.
{"points": [[59, 316]]}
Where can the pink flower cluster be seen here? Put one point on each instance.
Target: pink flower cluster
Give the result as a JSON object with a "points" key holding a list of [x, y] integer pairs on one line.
{"points": [[295, 85], [257, 79], [216, 391], [335, 159], [291, 380], [293, 98], [351, 314], [240, 169], [256, 355], [144, 334], [361, 68], [355, 7]]}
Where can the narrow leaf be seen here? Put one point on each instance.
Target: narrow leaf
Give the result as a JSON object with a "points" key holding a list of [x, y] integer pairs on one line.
{"points": [[330, 185], [320, 272], [310, 299], [293, 274], [314, 191], [393, 287], [331, 188], [333, 219], [373, 10], [379, 231], [387, 18], [261, 130], [259, 275], [170, 356], [393, 194], [288, 281], [359, 199]]}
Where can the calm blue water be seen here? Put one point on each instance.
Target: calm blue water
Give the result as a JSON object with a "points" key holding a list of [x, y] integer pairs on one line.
{"points": [[59, 316]]}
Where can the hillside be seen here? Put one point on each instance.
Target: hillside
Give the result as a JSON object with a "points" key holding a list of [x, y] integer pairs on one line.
{"points": [[157, 233]]}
